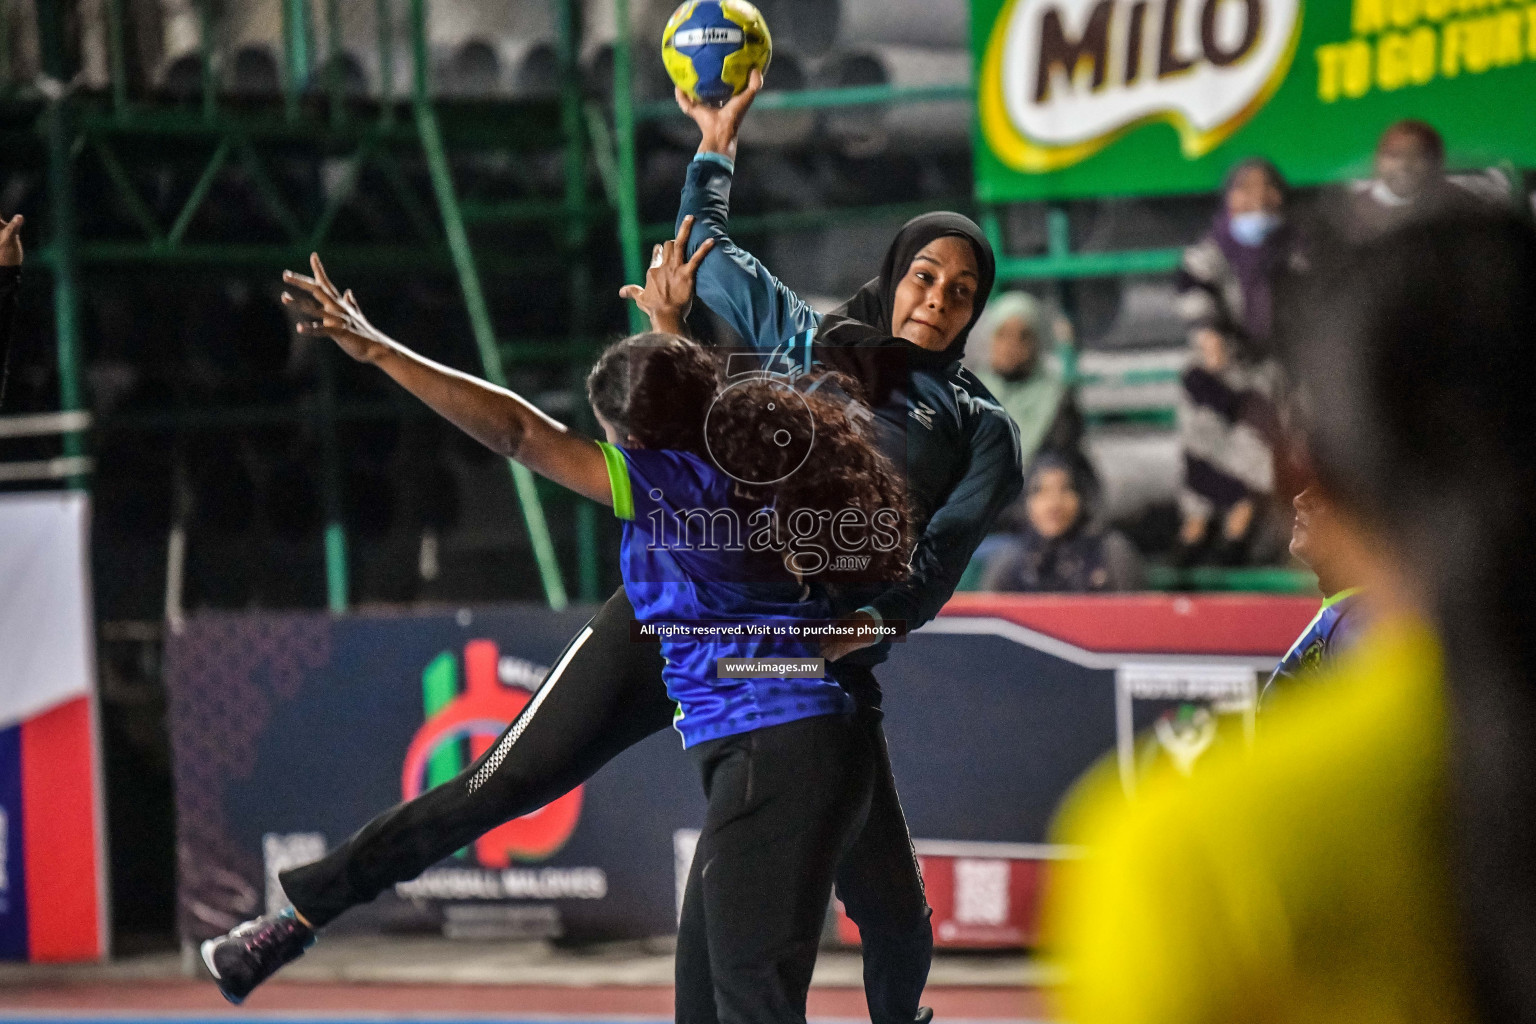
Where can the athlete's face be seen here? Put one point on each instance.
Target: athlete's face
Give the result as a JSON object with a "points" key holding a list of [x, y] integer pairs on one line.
{"points": [[1312, 527], [934, 300], [1053, 504]]}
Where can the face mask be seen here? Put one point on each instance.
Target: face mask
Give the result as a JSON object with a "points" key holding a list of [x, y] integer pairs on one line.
{"points": [[1252, 228]]}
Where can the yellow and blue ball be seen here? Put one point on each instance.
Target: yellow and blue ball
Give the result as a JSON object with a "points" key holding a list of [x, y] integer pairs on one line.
{"points": [[711, 46]]}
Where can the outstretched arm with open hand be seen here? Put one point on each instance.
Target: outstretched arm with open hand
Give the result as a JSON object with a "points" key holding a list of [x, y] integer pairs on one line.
{"points": [[669, 283], [502, 421], [10, 241]]}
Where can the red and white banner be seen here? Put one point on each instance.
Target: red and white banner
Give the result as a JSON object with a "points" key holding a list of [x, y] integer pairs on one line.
{"points": [[52, 882]]}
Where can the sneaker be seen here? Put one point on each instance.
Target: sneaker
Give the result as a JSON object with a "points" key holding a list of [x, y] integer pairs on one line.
{"points": [[253, 951]]}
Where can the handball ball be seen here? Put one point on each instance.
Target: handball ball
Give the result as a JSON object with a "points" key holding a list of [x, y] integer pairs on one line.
{"points": [[711, 46]]}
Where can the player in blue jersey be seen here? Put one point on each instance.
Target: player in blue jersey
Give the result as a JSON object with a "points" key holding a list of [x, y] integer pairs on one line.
{"points": [[900, 337], [1323, 539], [684, 483], [691, 468]]}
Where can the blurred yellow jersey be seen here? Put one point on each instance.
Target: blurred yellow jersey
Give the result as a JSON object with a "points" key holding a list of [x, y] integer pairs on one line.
{"points": [[1304, 880]]}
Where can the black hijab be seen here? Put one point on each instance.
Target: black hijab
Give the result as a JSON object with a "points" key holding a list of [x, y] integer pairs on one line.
{"points": [[864, 321]]}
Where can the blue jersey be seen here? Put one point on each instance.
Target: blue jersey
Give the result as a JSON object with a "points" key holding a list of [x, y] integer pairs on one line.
{"points": [[1334, 628], [684, 556]]}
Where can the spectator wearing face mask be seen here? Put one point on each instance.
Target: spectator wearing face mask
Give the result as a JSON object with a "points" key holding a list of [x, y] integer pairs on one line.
{"points": [[1016, 360], [1227, 417], [1059, 548], [1227, 279]]}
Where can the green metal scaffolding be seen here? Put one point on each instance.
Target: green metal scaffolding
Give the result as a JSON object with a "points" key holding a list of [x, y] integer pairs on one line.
{"points": [[109, 128], [1059, 263]]}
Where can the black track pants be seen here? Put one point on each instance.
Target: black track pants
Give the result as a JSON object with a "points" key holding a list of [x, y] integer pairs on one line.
{"points": [[603, 695], [784, 805]]}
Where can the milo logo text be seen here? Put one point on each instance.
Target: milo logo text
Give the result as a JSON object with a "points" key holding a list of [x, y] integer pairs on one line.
{"points": [[1061, 79]]}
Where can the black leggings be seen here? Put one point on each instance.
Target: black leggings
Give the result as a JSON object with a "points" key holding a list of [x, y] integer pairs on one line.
{"points": [[605, 694], [784, 804]]}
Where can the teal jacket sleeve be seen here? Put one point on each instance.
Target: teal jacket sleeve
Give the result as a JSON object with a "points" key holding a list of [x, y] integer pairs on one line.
{"points": [[732, 282], [992, 481]]}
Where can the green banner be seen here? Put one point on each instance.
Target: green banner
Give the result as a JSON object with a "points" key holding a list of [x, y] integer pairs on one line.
{"points": [[1142, 97]]}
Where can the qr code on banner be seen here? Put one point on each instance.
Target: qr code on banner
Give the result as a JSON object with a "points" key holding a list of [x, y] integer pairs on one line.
{"points": [[981, 891]]}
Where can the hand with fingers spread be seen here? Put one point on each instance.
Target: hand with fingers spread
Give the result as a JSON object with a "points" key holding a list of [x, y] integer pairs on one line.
{"points": [[331, 314], [721, 125], [669, 283], [10, 241], [505, 422]]}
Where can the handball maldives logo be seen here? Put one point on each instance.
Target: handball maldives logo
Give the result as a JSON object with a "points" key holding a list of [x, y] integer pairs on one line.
{"points": [[1062, 79], [464, 723]]}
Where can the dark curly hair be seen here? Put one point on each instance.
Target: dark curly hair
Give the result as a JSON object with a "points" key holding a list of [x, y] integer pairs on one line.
{"points": [[656, 388], [819, 467], [803, 450]]}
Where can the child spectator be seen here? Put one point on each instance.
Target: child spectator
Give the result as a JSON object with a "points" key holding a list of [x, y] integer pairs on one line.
{"points": [[1059, 547]]}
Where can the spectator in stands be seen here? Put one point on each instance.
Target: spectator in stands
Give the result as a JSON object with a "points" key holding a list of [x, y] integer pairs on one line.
{"points": [[1022, 371], [1227, 416], [1409, 183], [1229, 276], [1059, 547]]}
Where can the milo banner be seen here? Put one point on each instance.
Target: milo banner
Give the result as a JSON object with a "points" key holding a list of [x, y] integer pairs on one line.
{"points": [[290, 731], [1135, 97]]}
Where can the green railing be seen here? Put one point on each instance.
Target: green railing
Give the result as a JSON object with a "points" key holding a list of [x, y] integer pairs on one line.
{"points": [[1058, 263], [374, 134], [371, 134]]}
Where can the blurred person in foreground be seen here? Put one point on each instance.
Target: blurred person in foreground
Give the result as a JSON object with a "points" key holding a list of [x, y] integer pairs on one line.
{"points": [[1059, 548], [1017, 362], [1227, 416], [1369, 859], [1326, 542], [10, 281]]}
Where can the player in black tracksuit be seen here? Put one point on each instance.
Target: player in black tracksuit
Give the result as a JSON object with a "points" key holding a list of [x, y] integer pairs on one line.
{"points": [[606, 693], [961, 455]]}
